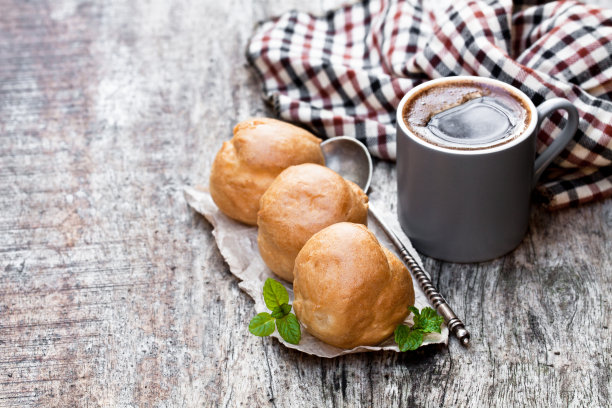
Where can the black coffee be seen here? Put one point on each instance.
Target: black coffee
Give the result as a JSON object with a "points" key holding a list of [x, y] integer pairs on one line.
{"points": [[466, 115]]}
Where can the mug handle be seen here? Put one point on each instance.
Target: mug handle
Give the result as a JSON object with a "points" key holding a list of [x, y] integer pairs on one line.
{"points": [[547, 156]]}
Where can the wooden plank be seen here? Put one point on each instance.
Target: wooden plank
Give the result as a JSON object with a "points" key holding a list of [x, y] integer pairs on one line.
{"points": [[112, 292]]}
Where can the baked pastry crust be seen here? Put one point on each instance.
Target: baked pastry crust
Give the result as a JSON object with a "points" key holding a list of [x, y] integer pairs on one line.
{"points": [[301, 201], [349, 290], [246, 165]]}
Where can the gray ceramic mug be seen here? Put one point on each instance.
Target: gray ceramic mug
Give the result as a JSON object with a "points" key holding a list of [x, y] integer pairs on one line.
{"points": [[472, 205]]}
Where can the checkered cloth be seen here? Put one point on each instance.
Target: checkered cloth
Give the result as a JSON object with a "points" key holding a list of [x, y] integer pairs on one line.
{"points": [[345, 73]]}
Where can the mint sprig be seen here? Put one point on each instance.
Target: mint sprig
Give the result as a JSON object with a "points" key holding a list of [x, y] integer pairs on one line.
{"points": [[262, 325], [425, 321], [289, 328], [277, 300], [274, 294], [281, 311]]}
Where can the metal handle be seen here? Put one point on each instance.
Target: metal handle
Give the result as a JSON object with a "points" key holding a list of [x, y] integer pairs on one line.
{"points": [[455, 325]]}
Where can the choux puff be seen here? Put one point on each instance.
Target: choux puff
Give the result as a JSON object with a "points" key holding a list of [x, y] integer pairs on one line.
{"points": [[349, 290], [301, 201], [247, 164]]}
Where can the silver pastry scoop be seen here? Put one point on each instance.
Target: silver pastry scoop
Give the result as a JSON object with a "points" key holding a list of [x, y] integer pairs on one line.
{"points": [[350, 158]]}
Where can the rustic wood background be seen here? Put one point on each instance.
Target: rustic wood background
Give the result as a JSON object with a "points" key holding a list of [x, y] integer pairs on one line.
{"points": [[113, 293]]}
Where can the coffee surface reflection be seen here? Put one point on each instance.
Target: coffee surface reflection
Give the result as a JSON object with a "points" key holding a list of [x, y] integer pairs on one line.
{"points": [[466, 115]]}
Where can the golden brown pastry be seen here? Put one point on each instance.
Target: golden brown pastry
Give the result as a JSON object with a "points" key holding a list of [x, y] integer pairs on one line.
{"points": [[349, 290], [246, 165], [303, 200]]}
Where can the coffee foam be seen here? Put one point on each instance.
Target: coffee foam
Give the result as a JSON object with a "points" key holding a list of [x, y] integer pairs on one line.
{"points": [[433, 100]]}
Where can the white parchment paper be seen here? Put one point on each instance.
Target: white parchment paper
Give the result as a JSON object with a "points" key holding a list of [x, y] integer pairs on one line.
{"points": [[238, 245]]}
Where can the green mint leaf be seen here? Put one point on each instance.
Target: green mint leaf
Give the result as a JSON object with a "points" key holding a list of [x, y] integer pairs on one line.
{"points": [[430, 321], [413, 340], [289, 328], [262, 325], [407, 338], [401, 334], [416, 319], [281, 311], [274, 294], [425, 321], [428, 313]]}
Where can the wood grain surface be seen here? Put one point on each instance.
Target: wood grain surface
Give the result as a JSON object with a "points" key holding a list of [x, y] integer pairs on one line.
{"points": [[113, 293]]}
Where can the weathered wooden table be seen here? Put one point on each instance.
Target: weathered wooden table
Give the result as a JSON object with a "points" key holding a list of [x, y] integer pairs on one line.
{"points": [[113, 293]]}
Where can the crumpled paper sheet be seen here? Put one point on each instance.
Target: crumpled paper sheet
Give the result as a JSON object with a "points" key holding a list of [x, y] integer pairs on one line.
{"points": [[238, 245]]}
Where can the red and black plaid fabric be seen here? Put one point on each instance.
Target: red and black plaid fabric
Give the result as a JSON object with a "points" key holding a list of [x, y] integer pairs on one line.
{"points": [[345, 73]]}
